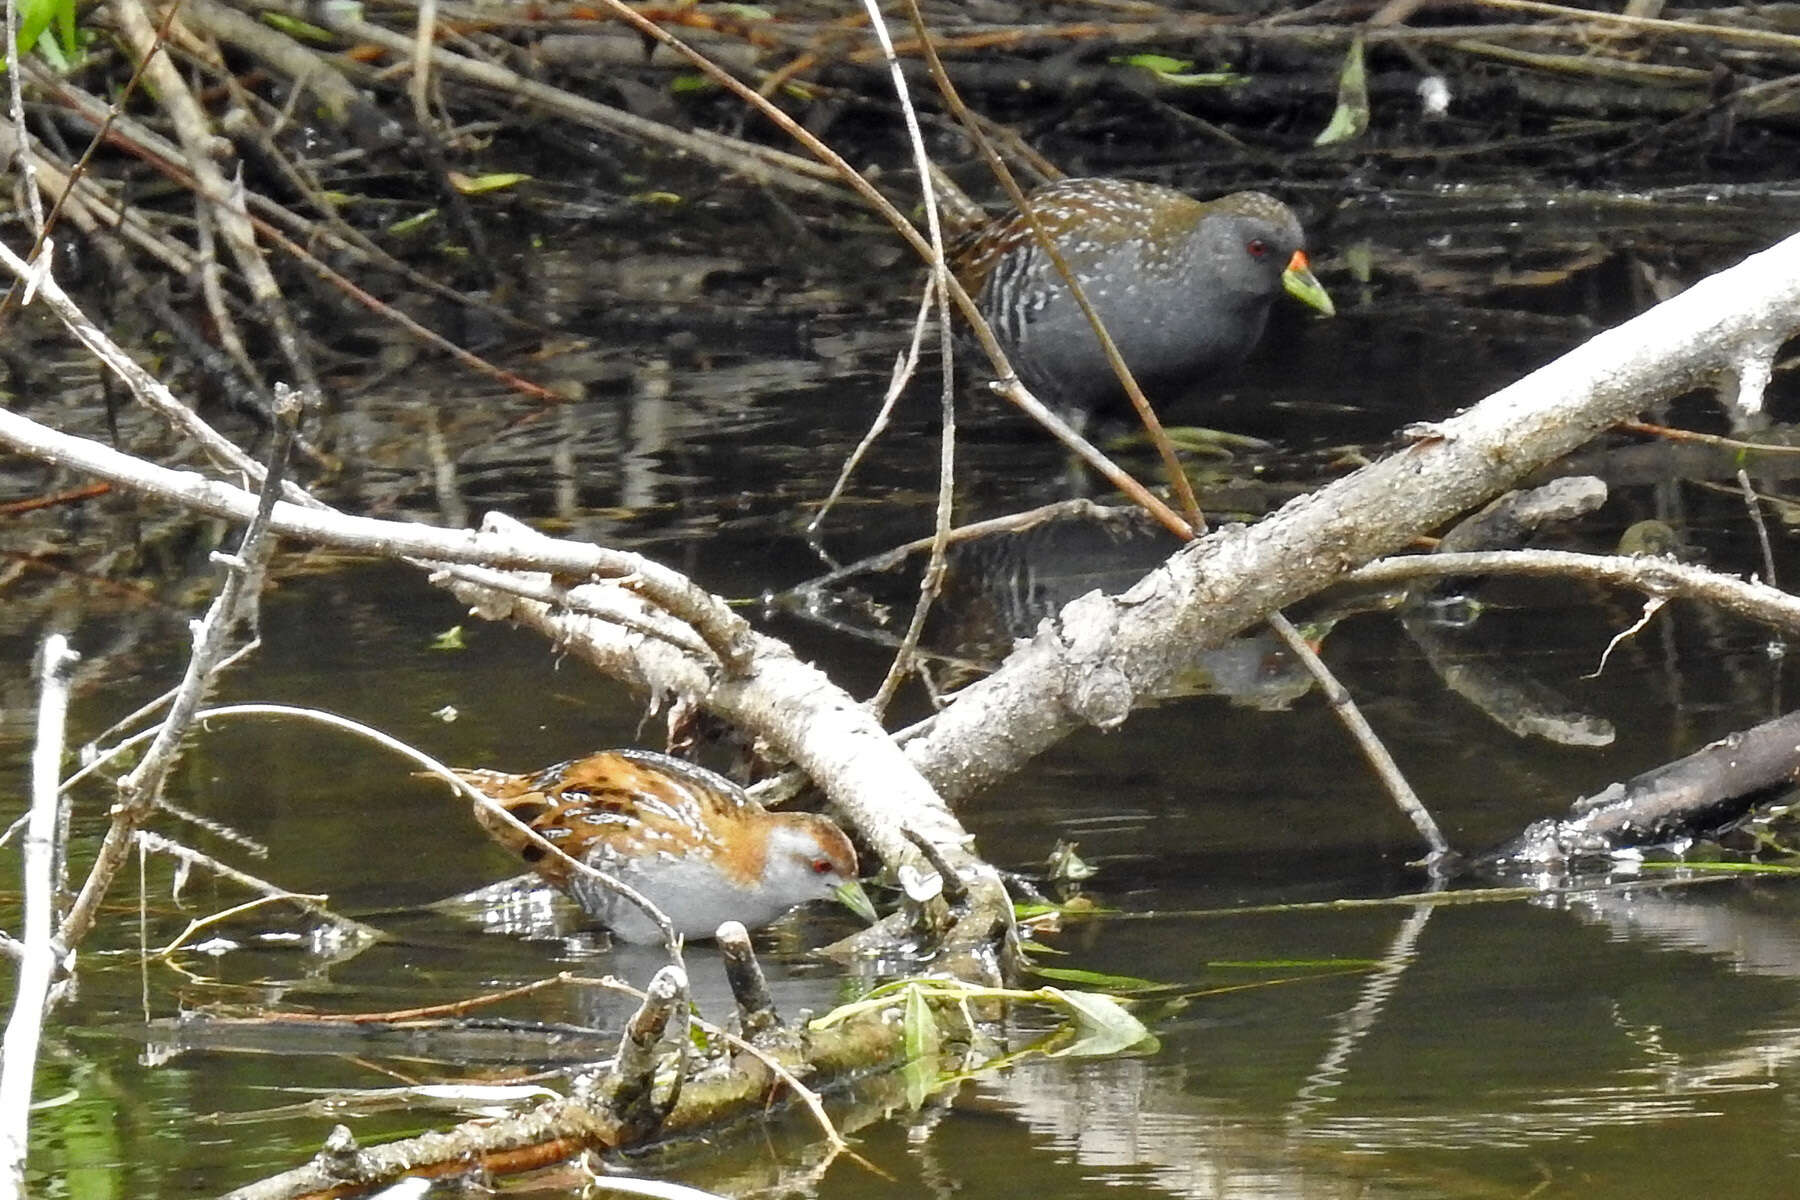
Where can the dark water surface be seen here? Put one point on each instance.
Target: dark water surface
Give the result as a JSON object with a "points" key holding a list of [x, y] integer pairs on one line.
{"points": [[1629, 1042]]}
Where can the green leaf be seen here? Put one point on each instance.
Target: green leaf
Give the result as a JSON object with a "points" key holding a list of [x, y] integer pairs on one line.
{"points": [[1161, 64], [1098, 979], [1078, 907], [921, 1074], [296, 28], [36, 16], [1746, 868], [1102, 1026], [65, 29], [475, 185], [414, 223], [1203, 79], [450, 639], [690, 81], [920, 1026], [1175, 73], [1291, 964], [1351, 119], [1030, 946]]}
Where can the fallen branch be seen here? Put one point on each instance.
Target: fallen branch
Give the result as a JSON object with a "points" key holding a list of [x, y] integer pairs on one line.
{"points": [[1690, 797], [1090, 665]]}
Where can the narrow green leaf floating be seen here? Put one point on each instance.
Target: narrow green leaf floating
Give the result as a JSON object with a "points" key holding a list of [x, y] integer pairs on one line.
{"points": [[1033, 947], [1028, 909], [450, 639], [1351, 119], [1099, 979], [1745, 868], [1290, 964]]}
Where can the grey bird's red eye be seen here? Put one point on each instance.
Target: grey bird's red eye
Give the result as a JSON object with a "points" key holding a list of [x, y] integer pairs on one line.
{"points": [[823, 866], [1257, 248]]}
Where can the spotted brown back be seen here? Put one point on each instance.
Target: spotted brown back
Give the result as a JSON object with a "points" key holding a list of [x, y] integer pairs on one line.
{"points": [[591, 805]]}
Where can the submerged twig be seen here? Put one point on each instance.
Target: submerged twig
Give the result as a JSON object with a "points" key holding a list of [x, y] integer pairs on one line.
{"points": [[311, 905], [1387, 771]]}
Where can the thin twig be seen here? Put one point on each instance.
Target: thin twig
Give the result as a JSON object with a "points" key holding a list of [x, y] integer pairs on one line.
{"points": [[15, 96], [892, 557], [1748, 491], [938, 291], [418, 88], [1347, 711], [140, 790], [1721, 32], [312, 905], [427, 1012], [904, 368]]}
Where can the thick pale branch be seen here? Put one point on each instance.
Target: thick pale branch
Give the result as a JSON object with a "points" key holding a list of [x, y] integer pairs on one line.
{"points": [[1090, 664], [802, 713], [387, 539]]}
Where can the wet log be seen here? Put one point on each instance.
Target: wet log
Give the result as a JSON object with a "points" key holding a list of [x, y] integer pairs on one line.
{"points": [[1693, 797]]}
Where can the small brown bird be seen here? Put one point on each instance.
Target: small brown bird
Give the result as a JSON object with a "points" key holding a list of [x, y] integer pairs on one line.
{"points": [[1183, 286], [687, 838]]}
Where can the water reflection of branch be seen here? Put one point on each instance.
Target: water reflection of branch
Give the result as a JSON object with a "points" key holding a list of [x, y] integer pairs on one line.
{"points": [[1356, 1022], [1519, 704]]}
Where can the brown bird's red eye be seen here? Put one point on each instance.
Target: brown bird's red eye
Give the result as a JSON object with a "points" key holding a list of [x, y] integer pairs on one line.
{"points": [[1257, 248], [823, 866]]}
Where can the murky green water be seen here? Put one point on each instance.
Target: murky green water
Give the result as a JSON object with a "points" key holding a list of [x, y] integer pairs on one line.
{"points": [[1621, 1043]]}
